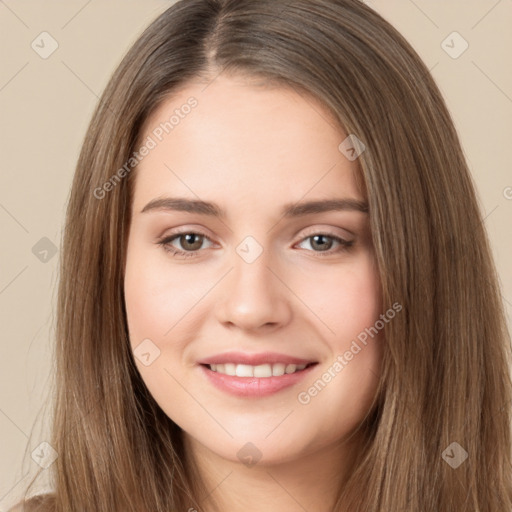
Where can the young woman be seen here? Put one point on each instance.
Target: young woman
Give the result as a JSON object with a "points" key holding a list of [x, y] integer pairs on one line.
{"points": [[276, 290]]}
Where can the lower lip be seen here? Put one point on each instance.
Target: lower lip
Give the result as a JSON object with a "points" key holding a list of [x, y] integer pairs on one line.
{"points": [[254, 386]]}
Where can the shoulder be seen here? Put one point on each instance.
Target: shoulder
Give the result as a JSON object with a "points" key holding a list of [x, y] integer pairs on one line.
{"points": [[40, 503]]}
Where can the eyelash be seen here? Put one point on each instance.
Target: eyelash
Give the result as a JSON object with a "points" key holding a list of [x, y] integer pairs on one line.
{"points": [[165, 243]]}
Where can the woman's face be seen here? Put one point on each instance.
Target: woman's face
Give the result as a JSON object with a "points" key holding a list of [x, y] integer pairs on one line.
{"points": [[268, 283]]}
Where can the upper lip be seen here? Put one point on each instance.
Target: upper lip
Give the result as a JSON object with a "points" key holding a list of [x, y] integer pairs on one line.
{"points": [[254, 359]]}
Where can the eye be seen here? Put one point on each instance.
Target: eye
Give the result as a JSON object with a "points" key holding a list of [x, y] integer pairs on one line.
{"points": [[191, 242], [318, 240]]}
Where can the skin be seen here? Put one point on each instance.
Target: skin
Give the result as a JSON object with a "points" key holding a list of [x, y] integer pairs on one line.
{"points": [[251, 149]]}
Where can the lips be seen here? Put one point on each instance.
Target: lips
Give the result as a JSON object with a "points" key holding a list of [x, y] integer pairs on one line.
{"points": [[254, 359], [254, 386]]}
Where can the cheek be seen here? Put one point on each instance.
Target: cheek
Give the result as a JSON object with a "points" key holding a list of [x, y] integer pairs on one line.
{"points": [[348, 302], [346, 299], [157, 302], [157, 299]]}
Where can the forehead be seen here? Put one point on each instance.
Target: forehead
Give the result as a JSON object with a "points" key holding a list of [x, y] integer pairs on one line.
{"points": [[241, 141]]}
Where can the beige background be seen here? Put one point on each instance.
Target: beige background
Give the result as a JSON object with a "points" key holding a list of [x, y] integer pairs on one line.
{"points": [[46, 105]]}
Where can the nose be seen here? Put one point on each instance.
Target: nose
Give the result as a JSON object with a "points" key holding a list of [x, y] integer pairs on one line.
{"points": [[254, 296]]}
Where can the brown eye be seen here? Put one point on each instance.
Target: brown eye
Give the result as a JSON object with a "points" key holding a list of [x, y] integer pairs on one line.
{"points": [[193, 241], [319, 241], [323, 242], [189, 243]]}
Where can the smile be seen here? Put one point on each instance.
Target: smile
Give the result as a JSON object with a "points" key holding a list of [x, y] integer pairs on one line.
{"points": [[262, 370], [254, 381]]}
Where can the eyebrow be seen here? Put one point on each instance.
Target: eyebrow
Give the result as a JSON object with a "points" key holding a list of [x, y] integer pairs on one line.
{"points": [[288, 211]]}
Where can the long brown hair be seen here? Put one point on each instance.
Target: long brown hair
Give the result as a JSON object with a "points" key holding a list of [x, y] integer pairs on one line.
{"points": [[445, 388]]}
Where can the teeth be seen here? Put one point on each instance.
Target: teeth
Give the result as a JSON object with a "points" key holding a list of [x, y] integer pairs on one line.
{"points": [[263, 370]]}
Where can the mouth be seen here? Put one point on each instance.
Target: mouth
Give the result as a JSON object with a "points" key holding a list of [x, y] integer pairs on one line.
{"points": [[260, 371], [247, 381]]}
